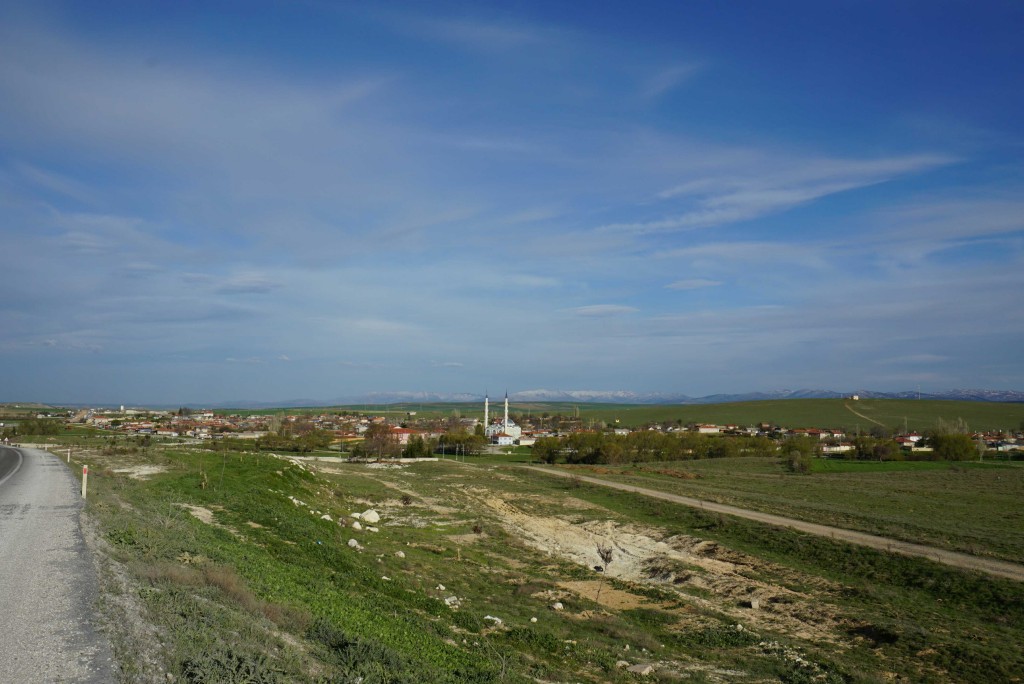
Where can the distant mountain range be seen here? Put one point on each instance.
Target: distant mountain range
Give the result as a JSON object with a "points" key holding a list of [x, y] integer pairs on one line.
{"points": [[626, 397]]}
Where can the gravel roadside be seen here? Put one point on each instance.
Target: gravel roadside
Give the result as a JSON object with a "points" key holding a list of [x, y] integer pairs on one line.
{"points": [[48, 585]]}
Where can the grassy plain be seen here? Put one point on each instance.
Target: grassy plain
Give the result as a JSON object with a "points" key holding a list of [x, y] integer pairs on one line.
{"points": [[834, 413], [228, 558], [825, 413], [965, 506]]}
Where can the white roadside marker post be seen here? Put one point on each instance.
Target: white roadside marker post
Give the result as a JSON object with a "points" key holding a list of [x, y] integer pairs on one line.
{"points": [[69, 454], [85, 479]]}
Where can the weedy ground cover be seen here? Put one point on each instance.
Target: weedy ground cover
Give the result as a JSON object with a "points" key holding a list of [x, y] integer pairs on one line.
{"points": [[242, 579]]}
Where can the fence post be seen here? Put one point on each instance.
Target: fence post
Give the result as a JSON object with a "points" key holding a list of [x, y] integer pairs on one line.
{"points": [[85, 479]]}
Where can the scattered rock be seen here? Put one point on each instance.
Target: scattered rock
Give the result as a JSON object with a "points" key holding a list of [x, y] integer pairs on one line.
{"points": [[533, 619], [399, 554], [495, 620], [385, 578], [557, 605], [621, 664], [643, 669], [354, 544], [452, 601], [371, 516], [356, 526], [440, 587], [755, 604], [325, 517], [357, 516], [370, 528]]}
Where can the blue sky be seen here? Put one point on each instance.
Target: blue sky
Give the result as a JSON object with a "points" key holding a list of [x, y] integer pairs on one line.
{"points": [[223, 201]]}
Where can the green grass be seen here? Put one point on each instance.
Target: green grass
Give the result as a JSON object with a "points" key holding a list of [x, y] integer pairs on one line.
{"points": [[925, 621], [273, 593], [825, 413], [970, 507], [295, 573], [824, 465]]}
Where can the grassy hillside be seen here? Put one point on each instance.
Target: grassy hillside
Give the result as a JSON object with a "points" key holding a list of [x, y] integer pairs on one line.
{"points": [[970, 507], [919, 415], [233, 574], [835, 413]]}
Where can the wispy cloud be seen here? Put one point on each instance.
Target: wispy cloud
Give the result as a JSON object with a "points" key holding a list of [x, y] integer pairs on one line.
{"points": [[667, 80], [767, 186], [741, 254], [370, 203], [603, 310], [52, 181], [247, 283], [916, 359], [693, 284], [470, 33]]}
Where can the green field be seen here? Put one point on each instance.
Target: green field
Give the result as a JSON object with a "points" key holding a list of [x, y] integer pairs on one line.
{"points": [[970, 507], [835, 413], [264, 590], [824, 413]]}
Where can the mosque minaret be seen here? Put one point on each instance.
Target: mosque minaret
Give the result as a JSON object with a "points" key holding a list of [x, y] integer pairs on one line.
{"points": [[506, 427]]}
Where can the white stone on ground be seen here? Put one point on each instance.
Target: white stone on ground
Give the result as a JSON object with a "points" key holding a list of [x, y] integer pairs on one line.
{"points": [[643, 669]]}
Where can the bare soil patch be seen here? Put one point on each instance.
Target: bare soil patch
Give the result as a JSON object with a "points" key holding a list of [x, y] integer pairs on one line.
{"points": [[607, 596], [205, 515], [682, 564], [141, 472]]}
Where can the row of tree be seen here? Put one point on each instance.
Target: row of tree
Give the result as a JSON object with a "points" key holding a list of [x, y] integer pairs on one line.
{"points": [[379, 442], [34, 426], [647, 446], [637, 447]]}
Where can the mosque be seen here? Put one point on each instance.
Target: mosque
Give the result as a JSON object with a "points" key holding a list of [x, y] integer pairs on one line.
{"points": [[504, 432]]}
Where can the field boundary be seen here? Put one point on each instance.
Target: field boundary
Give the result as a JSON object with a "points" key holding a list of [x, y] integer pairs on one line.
{"points": [[955, 559]]}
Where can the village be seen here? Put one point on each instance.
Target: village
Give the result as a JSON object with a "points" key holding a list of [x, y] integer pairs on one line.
{"points": [[348, 430]]}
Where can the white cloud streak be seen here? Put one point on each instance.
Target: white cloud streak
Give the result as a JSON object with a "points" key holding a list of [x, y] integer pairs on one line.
{"points": [[774, 186]]}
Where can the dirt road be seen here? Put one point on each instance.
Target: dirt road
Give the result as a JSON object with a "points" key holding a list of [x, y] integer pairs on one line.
{"points": [[858, 413], [989, 566]]}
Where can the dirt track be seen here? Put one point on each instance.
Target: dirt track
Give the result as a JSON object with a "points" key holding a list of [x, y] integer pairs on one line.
{"points": [[857, 413], [959, 560]]}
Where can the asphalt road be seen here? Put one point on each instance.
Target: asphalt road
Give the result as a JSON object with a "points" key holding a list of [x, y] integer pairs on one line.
{"points": [[48, 584], [989, 566]]}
